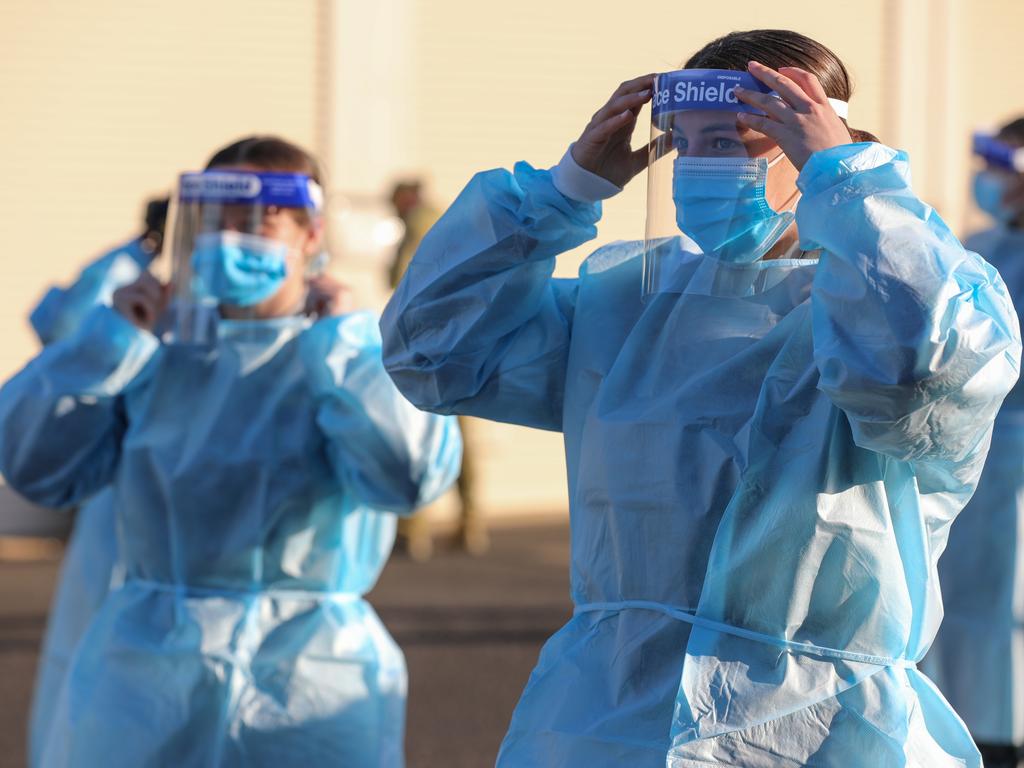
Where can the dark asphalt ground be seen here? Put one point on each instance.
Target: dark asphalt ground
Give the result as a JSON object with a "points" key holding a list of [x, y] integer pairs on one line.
{"points": [[471, 629]]}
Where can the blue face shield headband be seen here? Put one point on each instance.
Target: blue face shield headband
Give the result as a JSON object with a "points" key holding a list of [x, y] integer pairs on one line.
{"points": [[998, 154], [707, 175], [250, 188]]}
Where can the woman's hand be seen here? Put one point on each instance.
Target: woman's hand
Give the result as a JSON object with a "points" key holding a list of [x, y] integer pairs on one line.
{"points": [[142, 302], [328, 297], [802, 122], [604, 148]]}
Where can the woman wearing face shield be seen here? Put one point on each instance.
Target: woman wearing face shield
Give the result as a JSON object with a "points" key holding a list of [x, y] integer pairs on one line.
{"points": [[766, 442], [977, 659], [258, 456]]}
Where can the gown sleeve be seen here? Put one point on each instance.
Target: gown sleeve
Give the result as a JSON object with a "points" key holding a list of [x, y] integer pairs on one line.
{"points": [[915, 338], [478, 326], [62, 417]]}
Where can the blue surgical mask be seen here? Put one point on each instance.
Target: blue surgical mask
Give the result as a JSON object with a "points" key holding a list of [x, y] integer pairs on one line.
{"points": [[989, 190], [238, 269], [721, 206]]}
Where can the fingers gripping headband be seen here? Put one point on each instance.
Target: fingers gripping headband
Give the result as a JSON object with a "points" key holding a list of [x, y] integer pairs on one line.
{"points": [[704, 89]]}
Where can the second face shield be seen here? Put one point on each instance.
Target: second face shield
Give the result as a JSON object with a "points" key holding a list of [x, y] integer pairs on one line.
{"points": [[706, 175], [228, 254]]}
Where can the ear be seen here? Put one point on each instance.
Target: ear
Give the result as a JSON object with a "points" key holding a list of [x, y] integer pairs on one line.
{"points": [[314, 239]]}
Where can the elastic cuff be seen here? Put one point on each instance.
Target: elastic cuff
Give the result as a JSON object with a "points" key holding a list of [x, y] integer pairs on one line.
{"points": [[827, 167], [579, 184]]}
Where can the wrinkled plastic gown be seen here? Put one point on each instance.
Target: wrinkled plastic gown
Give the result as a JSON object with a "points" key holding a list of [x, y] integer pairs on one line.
{"points": [[977, 659], [763, 463], [256, 484]]}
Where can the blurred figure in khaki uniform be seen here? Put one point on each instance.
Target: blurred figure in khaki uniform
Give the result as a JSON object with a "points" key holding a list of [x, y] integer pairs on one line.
{"points": [[418, 217]]}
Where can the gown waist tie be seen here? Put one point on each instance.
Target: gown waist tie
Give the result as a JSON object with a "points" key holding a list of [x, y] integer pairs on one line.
{"points": [[698, 621], [189, 590]]}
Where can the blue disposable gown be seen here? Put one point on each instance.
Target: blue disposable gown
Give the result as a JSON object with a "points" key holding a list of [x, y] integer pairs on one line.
{"points": [[977, 659], [255, 486], [763, 463], [90, 559]]}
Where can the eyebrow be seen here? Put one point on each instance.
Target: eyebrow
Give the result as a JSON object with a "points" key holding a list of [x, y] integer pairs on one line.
{"points": [[719, 127], [715, 128]]}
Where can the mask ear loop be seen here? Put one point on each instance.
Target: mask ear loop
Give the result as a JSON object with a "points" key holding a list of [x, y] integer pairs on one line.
{"points": [[771, 164], [775, 160], [318, 265], [789, 209]]}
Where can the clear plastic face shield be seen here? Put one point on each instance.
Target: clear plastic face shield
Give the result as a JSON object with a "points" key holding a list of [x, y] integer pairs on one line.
{"points": [[999, 169], [707, 176], [241, 248]]}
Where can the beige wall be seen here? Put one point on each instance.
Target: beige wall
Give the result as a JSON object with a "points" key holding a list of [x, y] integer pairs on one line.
{"points": [[993, 60], [105, 101], [925, 73], [493, 93]]}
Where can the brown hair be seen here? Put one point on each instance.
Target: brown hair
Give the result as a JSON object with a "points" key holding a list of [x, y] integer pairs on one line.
{"points": [[1013, 132], [269, 153], [780, 48]]}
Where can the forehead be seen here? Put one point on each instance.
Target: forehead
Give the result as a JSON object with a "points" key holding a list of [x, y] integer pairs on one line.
{"points": [[697, 126], [705, 121], [695, 123]]}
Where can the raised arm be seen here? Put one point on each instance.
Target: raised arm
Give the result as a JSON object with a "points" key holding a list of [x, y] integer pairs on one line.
{"points": [[478, 326], [61, 419]]}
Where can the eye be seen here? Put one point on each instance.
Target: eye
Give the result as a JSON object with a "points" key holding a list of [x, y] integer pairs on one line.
{"points": [[679, 142], [722, 144]]}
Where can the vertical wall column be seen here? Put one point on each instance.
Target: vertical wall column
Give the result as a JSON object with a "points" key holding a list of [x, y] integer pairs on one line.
{"points": [[365, 133], [924, 106], [952, 128], [366, 89]]}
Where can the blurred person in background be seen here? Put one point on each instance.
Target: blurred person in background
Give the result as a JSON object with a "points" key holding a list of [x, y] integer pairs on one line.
{"points": [[89, 567], [419, 216], [772, 408], [977, 659], [258, 456]]}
